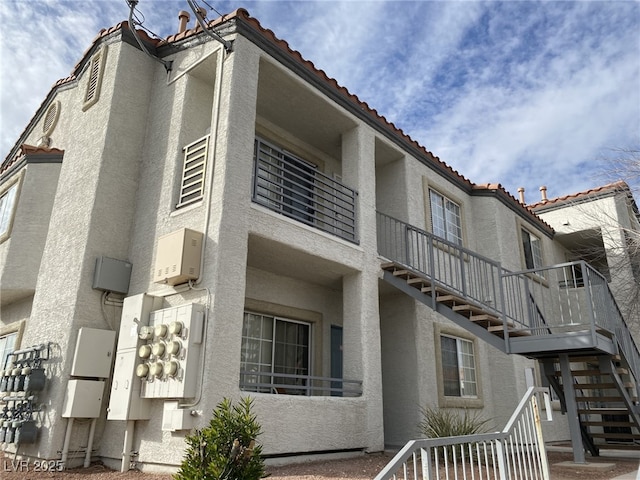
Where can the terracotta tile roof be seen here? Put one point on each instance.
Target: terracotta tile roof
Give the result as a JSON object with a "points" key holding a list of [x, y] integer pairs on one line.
{"points": [[618, 186], [30, 150], [499, 190]]}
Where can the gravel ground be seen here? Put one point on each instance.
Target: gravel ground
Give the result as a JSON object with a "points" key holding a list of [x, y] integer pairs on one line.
{"points": [[363, 467]]}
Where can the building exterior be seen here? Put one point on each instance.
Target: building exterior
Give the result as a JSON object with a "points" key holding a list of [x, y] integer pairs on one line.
{"points": [[215, 224], [601, 226]]}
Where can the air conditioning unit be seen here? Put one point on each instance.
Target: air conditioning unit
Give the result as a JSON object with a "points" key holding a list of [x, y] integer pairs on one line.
{"points": [[178, 257]]}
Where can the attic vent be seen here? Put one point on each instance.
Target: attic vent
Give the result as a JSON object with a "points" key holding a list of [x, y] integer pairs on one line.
{"points": [[51, 118], [96, 71], [193, 170]]}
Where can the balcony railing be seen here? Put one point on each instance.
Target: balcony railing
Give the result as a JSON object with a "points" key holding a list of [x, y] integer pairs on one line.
{"points": [[309, 385], [296, 189]]}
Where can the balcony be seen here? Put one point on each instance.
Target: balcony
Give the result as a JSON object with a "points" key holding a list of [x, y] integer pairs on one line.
{"points": [[296, 189]]}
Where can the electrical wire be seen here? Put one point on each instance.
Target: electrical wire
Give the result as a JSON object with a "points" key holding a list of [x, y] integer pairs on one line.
{"points": [[132, 28], [200, 19], [212, 8]]}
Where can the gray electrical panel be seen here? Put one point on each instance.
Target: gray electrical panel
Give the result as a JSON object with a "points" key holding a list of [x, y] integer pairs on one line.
{"points": [[112, 275]]}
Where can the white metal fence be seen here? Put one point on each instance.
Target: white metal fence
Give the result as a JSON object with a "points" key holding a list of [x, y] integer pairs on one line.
{"points": [[515, 453]]}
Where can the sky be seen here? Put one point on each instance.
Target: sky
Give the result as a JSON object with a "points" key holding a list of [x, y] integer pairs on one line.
{"points": [[519, 93]]}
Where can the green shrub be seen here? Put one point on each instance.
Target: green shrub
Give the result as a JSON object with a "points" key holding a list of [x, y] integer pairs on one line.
{"points": [[441, 422], [226, 449]]}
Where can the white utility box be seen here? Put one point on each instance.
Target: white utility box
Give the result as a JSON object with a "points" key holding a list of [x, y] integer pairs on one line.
{"points": [[83, 399], [178, 257], [175, 418], [94, 353], [125, 402]]}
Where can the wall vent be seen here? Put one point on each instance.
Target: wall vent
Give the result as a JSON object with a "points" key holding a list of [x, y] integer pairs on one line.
{"points": [[96, 72]]}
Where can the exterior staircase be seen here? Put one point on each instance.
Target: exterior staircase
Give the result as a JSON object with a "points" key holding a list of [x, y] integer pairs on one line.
{"points": [[564, 316], [606, 397]]}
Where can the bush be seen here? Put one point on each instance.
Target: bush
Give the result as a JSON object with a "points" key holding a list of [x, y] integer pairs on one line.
{"points": [[441, 422], [226, 449]]}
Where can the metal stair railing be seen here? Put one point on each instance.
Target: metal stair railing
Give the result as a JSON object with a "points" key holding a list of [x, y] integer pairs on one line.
{"points": [[517, 452], [455, 269]]}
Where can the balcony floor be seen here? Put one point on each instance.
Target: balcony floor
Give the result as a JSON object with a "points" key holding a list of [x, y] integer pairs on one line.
{"points": [[571, 343]]}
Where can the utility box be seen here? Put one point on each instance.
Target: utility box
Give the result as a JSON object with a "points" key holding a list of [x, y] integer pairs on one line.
{"points": [[175, 418], [125, 402], [94, 353], [112, 275], [83, 399], [178, 257]]}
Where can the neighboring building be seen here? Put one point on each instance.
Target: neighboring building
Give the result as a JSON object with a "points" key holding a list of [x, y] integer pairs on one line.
{"points": [[601, 226], [233, 219]]}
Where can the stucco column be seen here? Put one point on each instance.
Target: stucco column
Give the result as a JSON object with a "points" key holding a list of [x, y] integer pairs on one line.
{"points": [[361, 342], [227, 237]]}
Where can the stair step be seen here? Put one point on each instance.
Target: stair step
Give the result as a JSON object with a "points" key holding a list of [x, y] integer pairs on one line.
{"points": [[618, 446], [603, 411], [485, 317], [499, 330], [592, 358], [593, 373], [607, 424], [406, 274], [419, 282], [450, 299], [468, 308], [616, 435], [595, 386], [599, 399]]}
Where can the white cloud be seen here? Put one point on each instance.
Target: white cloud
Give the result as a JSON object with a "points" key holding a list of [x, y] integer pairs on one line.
{"points": [[521, 93]]}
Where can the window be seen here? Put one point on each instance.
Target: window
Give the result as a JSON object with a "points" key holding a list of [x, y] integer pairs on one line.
{"points": [[96, 71], [532, 249], [458, 367], [445, 218], [7, 345], [275, 355], [194, 167], [7, 204]]}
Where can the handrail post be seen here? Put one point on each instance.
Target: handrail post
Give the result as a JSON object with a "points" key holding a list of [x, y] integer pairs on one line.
{"points": [[463, 276], [502, 308], [432, 273], [502, 459], [586, 278]]}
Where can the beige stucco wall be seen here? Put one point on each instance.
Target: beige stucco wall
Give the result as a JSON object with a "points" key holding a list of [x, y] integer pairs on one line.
{"points": [[21, 253]]}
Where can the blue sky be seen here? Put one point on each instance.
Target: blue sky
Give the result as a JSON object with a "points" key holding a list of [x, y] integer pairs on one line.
{"points": [[521, 93]]}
